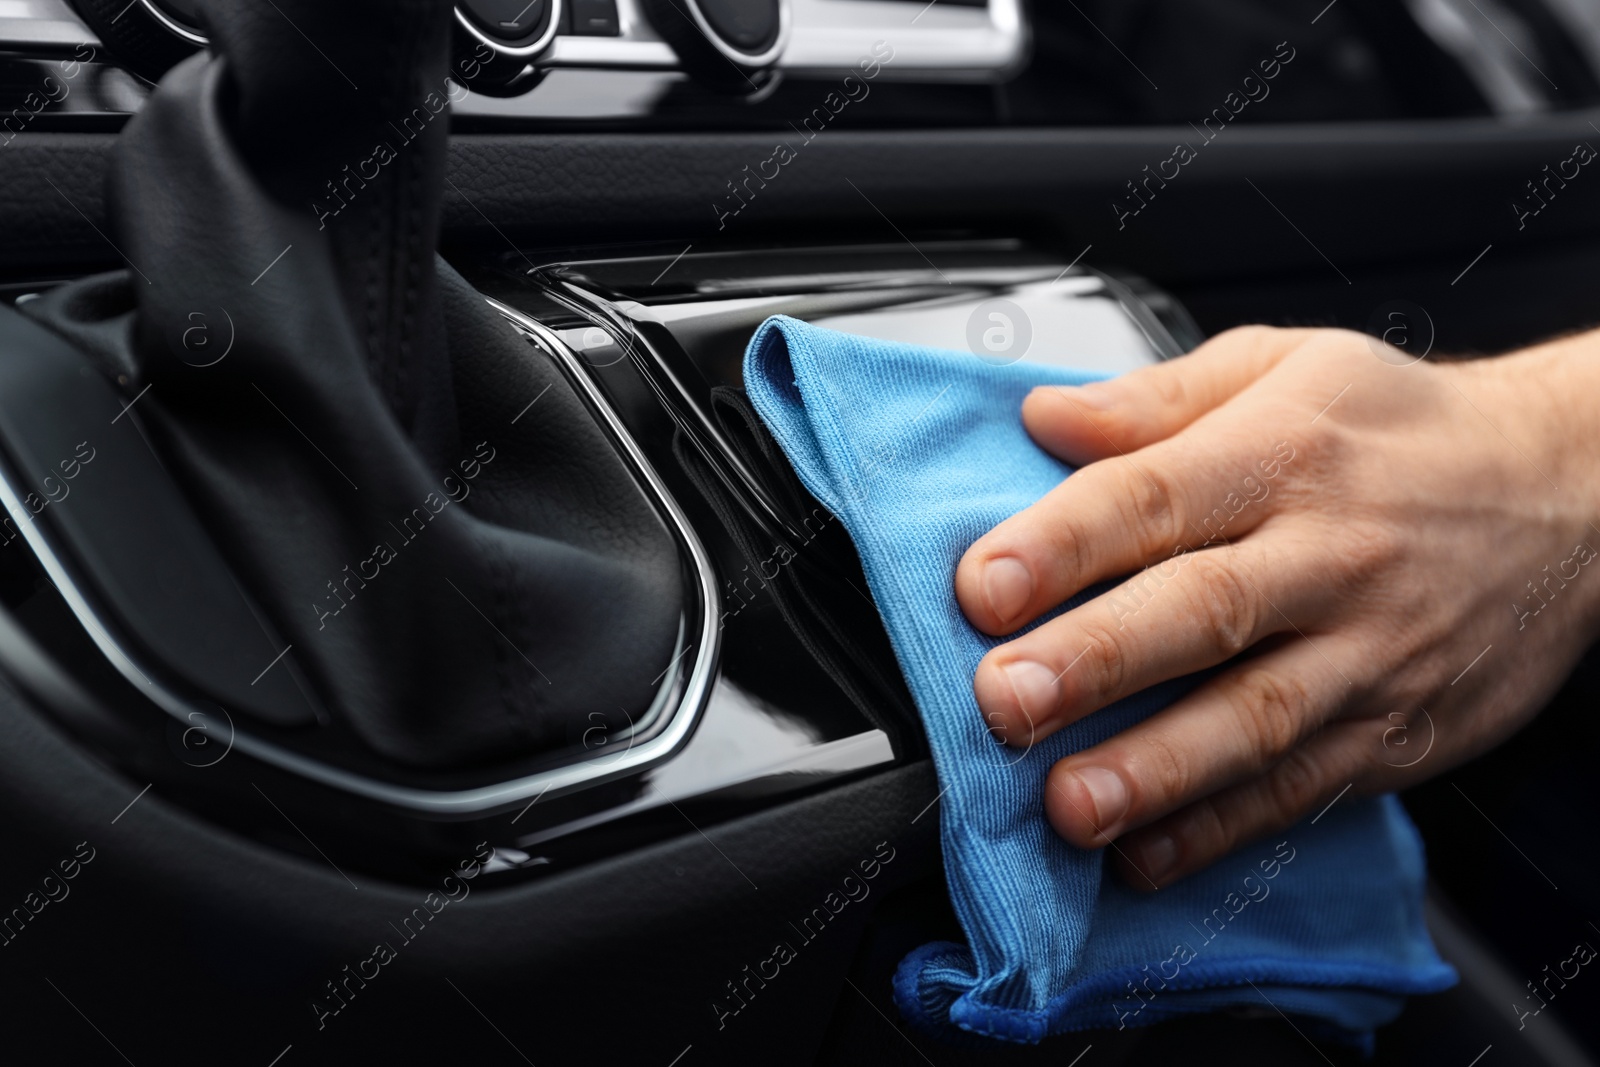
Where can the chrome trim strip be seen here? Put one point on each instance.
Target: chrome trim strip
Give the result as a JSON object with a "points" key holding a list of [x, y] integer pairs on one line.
{"points": [[929, 41], [172, 25], [611, 53], [602, 767], [521, 51], [828, 38], [619, 317], [829, 759], [540, 44]]}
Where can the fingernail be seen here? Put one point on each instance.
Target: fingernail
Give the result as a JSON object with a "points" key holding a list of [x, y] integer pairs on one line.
{"points": [[1108, 795], [1160, 856], [1034, 685], [1007, 587]]}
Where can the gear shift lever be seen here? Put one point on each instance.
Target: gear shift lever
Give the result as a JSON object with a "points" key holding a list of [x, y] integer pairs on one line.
{"points": [[424, 513]]}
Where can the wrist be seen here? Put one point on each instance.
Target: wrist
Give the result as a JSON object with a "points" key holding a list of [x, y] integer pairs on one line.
{"points": [[1545, 402], [1552, 392]]}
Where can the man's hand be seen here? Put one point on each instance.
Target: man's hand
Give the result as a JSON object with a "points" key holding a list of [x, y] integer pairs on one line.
{"points": [[1398, 560]]}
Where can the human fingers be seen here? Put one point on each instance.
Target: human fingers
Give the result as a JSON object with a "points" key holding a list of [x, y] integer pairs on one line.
{"points": [[1114, 517], [1306, 782], [1081, 424], [1190, 612], [1233, 728]]}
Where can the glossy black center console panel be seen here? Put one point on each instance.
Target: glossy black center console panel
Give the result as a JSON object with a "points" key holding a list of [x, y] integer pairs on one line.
{"points": [[788, 686]]}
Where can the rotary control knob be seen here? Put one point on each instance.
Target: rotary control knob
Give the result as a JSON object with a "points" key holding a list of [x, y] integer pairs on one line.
{"points": [[731, 45], [496, 42]]}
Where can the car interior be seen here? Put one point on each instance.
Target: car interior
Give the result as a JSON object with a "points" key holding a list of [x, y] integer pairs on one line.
{"points": [[627, 715]]}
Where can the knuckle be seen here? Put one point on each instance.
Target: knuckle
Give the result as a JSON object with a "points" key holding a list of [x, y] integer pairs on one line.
{"points": [[1269, 709], [1248, 337], [1352, 346], [1105, 659], [1076, 548], [1165, 772], [1251, 343], [1333, 347], [1324, 452], [1208, 831], [1225, 604], [1367, 550], [1294, 786], [1152, 515], [1171, 390], [1053, 537]]}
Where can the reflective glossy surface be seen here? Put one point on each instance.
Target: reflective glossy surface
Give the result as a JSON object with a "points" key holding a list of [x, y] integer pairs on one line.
{"points": [[664, 335], [805, 689]]}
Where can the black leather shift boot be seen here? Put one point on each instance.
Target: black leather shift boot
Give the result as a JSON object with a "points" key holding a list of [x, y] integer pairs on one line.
{"points": [[462, 577]]}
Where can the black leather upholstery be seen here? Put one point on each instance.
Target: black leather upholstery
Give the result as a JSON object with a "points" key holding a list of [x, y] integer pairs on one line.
{"points": [[463, 577]]}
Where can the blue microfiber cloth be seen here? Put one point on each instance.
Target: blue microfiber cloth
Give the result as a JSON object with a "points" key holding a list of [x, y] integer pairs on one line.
{"points": [[919, 452]]}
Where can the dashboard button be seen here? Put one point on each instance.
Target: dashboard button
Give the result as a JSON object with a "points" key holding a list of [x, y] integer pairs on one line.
{"points": [[594, 18]]}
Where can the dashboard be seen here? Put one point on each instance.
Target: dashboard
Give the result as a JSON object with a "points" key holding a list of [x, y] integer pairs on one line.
{"points": [[795, 65]]}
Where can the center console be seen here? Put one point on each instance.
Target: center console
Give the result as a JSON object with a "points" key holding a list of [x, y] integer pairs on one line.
{"points": [[784, 680]]}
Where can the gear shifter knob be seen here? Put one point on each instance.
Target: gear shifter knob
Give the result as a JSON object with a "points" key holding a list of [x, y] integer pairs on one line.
{"points": [[452, 554]]}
